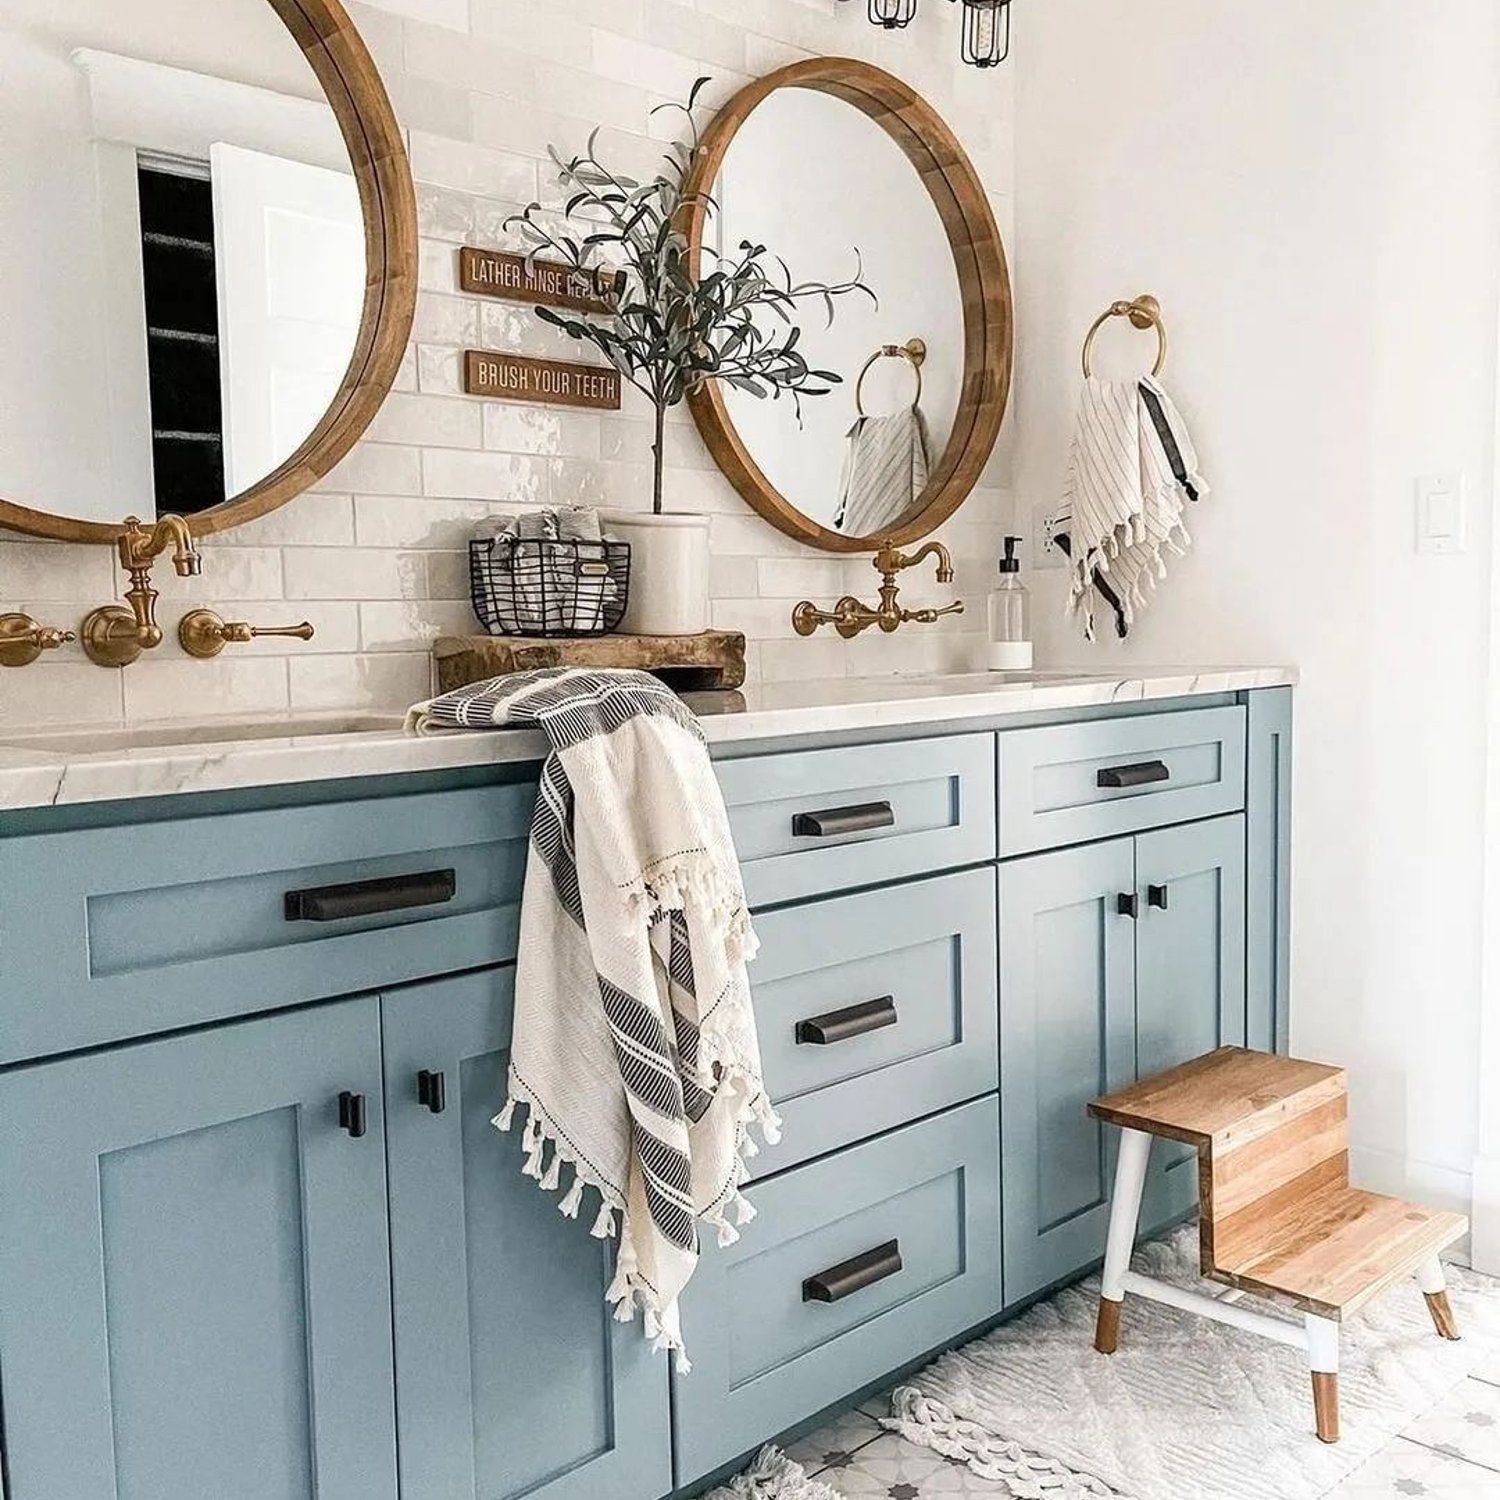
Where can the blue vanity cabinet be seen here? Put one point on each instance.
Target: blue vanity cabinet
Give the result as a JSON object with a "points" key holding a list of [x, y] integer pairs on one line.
{"points": [[1116, 960], [1189, 975], [1067, 1034], [512, 1378], [194, 1275]]}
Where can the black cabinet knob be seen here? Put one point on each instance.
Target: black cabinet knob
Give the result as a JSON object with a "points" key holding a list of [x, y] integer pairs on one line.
{"points": [[432, 1090], [1128, 904], [1156, 895], [352, 1116]]}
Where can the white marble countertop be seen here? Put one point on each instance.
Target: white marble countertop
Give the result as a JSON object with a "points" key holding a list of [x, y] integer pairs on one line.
{"points": [[57, 768]]}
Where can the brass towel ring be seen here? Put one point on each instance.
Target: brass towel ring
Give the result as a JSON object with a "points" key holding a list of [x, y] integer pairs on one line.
{"points": [[913, 351], [1144, 313]]}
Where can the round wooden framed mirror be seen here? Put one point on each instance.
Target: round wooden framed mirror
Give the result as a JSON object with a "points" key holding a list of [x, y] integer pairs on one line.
{"points": [[831, 163], [221, 176]]}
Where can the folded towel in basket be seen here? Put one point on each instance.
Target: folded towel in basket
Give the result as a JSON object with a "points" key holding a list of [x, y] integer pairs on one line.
{"points": [[634, 1051]]}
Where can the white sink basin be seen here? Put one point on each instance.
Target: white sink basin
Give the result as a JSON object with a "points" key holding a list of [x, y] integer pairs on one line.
{"points": [[200, 732]]}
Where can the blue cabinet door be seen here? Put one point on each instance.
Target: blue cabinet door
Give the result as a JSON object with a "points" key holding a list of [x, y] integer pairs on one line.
{"points": [[1067, 1034], [512, 1378], [1189, 974], [194, 1274]]}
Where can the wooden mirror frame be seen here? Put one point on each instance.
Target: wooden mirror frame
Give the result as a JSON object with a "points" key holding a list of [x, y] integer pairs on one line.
{"points": [[337, 53], [983, 278]]}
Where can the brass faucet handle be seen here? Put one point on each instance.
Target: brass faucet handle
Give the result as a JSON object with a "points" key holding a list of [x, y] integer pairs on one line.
{"points": [[22, 640], [203, 634], [928, 616]]}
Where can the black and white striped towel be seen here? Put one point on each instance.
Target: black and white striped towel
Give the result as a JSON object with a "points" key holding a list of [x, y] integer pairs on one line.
{"points": [[1131, 473], [634, 1050]]}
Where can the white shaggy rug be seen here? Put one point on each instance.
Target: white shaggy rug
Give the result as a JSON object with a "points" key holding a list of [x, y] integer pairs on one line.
{"points": [[1186, 1407], [773, 1476]]}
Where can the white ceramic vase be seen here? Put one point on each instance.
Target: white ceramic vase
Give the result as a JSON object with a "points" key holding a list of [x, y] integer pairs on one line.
{"points": [[668, 571]]}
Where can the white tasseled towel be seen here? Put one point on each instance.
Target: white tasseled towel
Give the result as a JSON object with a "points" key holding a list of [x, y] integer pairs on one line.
{"points": [[885, 470], [1131, 473], [634, 1049]]}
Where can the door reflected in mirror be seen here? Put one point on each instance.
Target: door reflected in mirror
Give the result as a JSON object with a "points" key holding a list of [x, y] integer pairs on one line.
{"points": [[182, 253], [829, 189]]}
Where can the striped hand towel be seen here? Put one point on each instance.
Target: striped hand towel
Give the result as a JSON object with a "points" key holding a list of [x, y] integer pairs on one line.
{"points": [[1131, 472], [885, 470], [634, 1051]]}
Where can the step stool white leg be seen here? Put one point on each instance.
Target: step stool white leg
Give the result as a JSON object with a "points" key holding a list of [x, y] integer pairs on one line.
{"points": [[1435, 1289], [1124, 1215], [1323, 1358]]}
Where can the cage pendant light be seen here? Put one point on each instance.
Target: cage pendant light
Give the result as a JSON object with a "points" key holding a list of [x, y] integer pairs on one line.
{"points": [[986, 32], [892, 13]]}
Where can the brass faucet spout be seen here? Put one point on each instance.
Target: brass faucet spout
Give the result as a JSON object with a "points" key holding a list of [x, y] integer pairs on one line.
{"points": [[114, 636]]}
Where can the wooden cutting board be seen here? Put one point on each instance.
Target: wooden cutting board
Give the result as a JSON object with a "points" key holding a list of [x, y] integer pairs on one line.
{"points": [[712, 661]]}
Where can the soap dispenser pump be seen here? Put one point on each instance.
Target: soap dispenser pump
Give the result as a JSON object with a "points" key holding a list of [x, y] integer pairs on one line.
{"points": [[1010, 616]]}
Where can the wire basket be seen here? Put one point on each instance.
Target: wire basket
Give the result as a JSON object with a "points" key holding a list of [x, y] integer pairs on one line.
{"points": [[527, 587]]}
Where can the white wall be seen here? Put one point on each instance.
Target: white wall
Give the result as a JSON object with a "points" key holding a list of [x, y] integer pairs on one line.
{"points": [[1311, 192], [483, 87]]}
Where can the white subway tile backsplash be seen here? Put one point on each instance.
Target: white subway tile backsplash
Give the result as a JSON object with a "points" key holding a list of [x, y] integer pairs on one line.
{"points": [[471, 168], [67, 691], [396, 625], [377, 469], [376, 556], [163, 688], [354, 573], [429, 421], [38, 571], [382, 680], [515, 479], [541, 429]]}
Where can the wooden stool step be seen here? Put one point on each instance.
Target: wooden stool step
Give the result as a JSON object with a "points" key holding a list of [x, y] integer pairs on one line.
{"points": [[1330, 1250], [1277, 1216]]}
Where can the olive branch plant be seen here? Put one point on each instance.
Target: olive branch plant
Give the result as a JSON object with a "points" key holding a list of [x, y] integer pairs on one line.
{"points": [[669, 331]]}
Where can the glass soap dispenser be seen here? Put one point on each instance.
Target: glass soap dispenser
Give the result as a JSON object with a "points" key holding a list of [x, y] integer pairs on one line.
{"points": [[1010, 616]]}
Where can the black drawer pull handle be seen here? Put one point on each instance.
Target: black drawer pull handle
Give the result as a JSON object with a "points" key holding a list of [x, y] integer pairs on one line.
{"points": [[432, 1090], [1115, 777], [837, 820], [368, 898], [1128, 904], [841, 1025], [1156, 895], [352, 1114], [838, 1282]]}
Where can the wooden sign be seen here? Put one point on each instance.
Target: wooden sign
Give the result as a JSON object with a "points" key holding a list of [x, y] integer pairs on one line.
{"points": [[517, 377], [495, 274]]}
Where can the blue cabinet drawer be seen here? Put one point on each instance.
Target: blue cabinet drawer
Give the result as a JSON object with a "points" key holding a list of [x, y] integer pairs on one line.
{"points": [[814, 821], [855, 1265], [875, 1009], [118, 932], [1072, 783]]}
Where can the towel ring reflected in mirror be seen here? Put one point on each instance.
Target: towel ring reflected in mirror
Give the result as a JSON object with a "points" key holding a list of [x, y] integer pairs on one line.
{"points": [[1143, 312], [913, 351]]}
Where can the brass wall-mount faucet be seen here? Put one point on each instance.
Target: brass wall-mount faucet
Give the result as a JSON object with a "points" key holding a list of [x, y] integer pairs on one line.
{"points": [[114, 636], [849, 617], [22, 640]]}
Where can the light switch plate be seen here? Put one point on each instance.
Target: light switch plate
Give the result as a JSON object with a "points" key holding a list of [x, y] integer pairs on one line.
{"points": [[1442, 515]]}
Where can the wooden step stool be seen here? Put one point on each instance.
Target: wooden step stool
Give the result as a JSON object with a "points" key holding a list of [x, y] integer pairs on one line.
{"points": [[1277, 1216]]}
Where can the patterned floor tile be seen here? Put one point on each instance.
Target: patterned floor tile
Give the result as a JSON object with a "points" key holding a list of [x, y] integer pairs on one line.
{"points": [[833, 1447], [1408, 1471], [1466, 1425], [878, 1405], [893, 1469]]}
